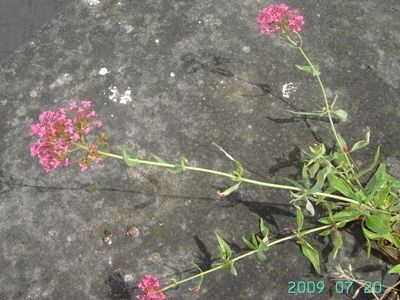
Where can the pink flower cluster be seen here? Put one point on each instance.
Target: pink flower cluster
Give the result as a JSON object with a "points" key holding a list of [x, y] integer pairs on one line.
{"points": [[56, 133], [151, 289], [279, 19]]}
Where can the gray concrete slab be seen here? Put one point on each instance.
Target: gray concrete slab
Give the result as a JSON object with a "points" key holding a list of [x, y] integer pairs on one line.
{"points": [[197, 72]]}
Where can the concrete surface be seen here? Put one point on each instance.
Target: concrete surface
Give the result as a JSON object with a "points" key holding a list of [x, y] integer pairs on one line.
{"points": [[198, 72], [20, 20]]}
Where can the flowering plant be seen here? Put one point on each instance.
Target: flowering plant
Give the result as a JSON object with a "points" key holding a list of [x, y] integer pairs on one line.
{"points": [[328, 179], [57, 133], [151, 289], [279, 19]]}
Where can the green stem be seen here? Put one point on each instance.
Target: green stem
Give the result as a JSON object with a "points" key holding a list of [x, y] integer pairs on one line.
{"points": [[202, 273], [327, 106], [230, 176]]}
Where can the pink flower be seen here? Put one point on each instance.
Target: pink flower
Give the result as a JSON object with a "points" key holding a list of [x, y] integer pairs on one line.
{"points": [[86, 103], [151, 289], [72, 106], [57, 133], [279, 19]]}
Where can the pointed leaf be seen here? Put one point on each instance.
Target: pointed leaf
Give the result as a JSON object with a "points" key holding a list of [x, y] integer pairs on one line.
{"points": [[261, 256], [393, 239], [228, 191], [363, 143], [304, 175], [262, 245], [299, 218], [224, 248], [366, 170], [371, 235], [309, 207], [342, 142], [174, 169], [232, 269], [248, 244], [340, 185], [309, 69], [239, 167], [395, 269], [326, 232], [311, 254], [378, 223], [341, 114], [264, 230], [383, 195], [347, 214], [377, 180], [126, 154], [338, 244], [295, 184], [321, 176]]}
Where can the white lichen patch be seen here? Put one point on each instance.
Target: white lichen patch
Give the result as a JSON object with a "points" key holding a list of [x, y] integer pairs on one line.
{"points": [[103, 71], [92, 2], [122, 98], [114, 93], [128, 28], [61, 80], [287, 89], [126, 97], [246, 49]]}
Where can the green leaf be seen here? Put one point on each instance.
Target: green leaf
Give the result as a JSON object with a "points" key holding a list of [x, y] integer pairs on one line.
{"points": [[248, 244], [341, 186], [375, 184], [304, 174], [379, 201], [299, 218], [228, 191], [393, 239], [261, 245], [371, 235], [395, 207], [311, 254], [395, 269], [341, 114], [338, 244], [326, 232], [379, 222], [377, 180], [264, 230], [309, 207], [232, 269], [295, 184], [128, 154], [314, 169], [239, 167], [321, 176], [261, 256], [342, 142], [366, 170], [174, 169], [347, 214], [309, 69], [362, 143], [224, 249], [368, 235]]}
